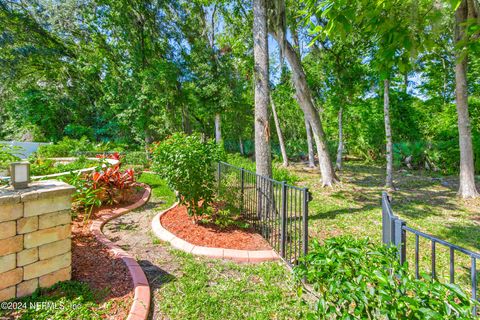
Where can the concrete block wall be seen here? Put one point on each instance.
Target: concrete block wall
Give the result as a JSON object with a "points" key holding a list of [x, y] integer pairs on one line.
{"points": [[35, 237]]}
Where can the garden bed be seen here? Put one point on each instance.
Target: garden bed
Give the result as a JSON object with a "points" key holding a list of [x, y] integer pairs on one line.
{"points": [[95, 264], [178, 222]]}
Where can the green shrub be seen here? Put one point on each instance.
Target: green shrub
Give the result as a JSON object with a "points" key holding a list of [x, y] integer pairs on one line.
{"points": [[188, 165], [356, 279], [68, 147], [41, 166], [410, 154], [7, 156], [136, 158], [65, 148], [279, 173]]}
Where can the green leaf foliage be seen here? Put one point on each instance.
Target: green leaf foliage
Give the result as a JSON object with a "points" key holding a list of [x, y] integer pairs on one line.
{"points": [[188, 165], [358, 279]]}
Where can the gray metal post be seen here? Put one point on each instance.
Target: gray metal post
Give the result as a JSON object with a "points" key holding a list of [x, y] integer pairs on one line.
{"points": [[283, 220], [306, 199], [474, 284], [385, 221], [242, 189], [400, 239], [219, 172]]}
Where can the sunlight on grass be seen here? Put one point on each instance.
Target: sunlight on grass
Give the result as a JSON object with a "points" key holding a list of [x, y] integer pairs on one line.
{"points": [[65, 300], [160, 190], [353, 208], [225, 290]]}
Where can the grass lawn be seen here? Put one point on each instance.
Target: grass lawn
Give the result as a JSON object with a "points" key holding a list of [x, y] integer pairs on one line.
{"points": [[65, 300], [426, 203], [226, 290], [192, 287]]}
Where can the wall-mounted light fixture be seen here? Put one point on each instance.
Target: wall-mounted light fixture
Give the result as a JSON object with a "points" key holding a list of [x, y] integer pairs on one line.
{"points": [[20, 174]]}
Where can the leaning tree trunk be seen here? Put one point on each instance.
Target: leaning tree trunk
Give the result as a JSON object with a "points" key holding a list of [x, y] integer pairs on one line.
{"points": [[311, 152], [283, 150], [339, 162], [467, 188], [304, 98], [388, 134], [260, 51], [218, 128]]}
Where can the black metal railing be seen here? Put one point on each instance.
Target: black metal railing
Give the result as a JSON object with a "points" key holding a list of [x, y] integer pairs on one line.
{"points": [[394, 231], [278, 211]]}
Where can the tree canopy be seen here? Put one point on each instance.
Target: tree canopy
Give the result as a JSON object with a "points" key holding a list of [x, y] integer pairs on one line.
{"points": [[135, 72]]}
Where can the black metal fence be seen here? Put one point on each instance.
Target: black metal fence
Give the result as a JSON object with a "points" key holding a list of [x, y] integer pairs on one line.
{"points": [[395, 230], [278, 211]]}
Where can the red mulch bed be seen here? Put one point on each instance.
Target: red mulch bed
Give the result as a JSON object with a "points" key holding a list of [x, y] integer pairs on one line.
{"points": [[178, 222], [93, 264]]}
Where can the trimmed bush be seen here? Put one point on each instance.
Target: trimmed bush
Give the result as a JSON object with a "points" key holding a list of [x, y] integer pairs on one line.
{"points": [[188, 166]]}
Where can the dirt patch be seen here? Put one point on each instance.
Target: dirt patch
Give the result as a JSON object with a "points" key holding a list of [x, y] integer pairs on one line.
{"points": [[132, 233], [92, 263], [179, 223]]}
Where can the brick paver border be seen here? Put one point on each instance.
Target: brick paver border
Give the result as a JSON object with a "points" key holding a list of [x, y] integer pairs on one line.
{"points": [[141, 299], [252, 256]]}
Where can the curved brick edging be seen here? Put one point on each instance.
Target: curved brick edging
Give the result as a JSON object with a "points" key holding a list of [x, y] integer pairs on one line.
{"points": [[141, 299], [252, 256]]}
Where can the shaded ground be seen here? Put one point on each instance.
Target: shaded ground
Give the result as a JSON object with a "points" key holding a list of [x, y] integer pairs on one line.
{"points": [[426, 203], [188, 287]]}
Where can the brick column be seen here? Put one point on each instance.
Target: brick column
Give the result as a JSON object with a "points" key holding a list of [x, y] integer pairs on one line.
{"points": [[35, 237]]}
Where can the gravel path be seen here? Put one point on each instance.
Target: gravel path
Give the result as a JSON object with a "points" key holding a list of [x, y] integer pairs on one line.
{"points": [[132, 232]]}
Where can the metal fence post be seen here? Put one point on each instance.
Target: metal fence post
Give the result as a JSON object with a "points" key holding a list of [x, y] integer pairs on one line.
{"points": [[219, 172], [385, 221], [400, 240], [283, 220], [473, 271], [242, 189], [306, 199]]}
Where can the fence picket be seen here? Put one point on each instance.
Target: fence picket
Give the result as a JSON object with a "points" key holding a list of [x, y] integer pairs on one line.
{"points": [[282, 222], [394, 231]]}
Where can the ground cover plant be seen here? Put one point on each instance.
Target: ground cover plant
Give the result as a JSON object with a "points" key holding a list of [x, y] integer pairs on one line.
{"points": [[357, 279]]}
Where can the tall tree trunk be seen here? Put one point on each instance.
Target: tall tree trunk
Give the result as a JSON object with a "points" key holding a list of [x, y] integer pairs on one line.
{"points": [[304, 98], [260, 51], [218, 128], [339, 164], [187, 128], [467, 188], [311, 152], [283, 150], [240, 143], [388, 134]]}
